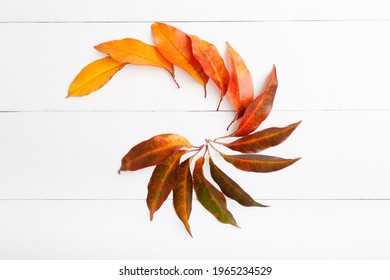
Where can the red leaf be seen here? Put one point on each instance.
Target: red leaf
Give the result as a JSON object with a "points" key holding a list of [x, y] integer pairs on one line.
{"points": [[259, 109], [153, 151], [182, 194], [162, 182], [212, 63], [261, 140], [240, 87], [258, 163], [176, 47]]}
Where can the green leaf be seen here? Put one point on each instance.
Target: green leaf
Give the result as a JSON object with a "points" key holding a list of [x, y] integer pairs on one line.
{"points": [[230, 188], [212, 199]]}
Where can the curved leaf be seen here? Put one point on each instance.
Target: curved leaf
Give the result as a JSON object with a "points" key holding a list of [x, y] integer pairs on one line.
{"points": [[94, 76], [260, 108], [212, 63], [182, 194], [258, 163], [261, 140], [175, 46], [212, 199], [230, 188], [162, 182], [240, 87], [136, 52], [153, 151]]}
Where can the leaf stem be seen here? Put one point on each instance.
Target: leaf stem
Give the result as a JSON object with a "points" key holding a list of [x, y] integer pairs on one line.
{"points": [[209, 143]]}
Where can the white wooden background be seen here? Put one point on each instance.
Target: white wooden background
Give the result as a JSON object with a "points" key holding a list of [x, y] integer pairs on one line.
{"points": [[61, 196]]}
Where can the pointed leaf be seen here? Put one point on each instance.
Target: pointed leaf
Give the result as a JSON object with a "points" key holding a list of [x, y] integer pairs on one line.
{"points": [[153, 151], [240, 87], [258, 163], [260, 108], [212, 63], [175, 46], [182, 194], [262, 140], [163, 180], [211, 198], [93, 76], [136, 52], [230, 188]]}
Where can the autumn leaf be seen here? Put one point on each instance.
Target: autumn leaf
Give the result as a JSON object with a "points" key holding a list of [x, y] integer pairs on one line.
{"points": [[212, 199], [182, 194], [230, 188], [135, 52], [93, 76], [176, 47], [153, 151], [212, 63], [258, 163], [163, 180], [240, 87], [260, 108], [261, 140]]}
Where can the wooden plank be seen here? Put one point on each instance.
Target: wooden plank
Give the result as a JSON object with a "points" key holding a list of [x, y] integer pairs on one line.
{"points": [[77, 155], [172, 10], [321, 66], [121, 230]]}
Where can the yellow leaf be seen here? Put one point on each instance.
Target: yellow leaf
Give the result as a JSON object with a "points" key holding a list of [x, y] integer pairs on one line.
{"points": [[93, 76]]}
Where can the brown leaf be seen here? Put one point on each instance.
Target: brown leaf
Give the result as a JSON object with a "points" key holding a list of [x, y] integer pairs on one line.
{"points": [[260, 108], [135, 52], [162, 182], [261, 140], [212, 63], [182, 194], [175, 46], [230, 188], [240, 87], [258, 163], [212, 199], [153, 151], [93, 76]]}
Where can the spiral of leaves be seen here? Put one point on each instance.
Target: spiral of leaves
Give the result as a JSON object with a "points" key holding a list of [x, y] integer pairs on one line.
{"points": [[172, 154]]}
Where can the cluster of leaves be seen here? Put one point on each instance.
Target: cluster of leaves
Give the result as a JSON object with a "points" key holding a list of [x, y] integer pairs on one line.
{"points": [[172, 154]]}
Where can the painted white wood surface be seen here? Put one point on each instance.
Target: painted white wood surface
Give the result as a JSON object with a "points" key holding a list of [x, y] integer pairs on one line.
{"points": [[321, 66], [121, 230], [201, 10], [61, 196]]}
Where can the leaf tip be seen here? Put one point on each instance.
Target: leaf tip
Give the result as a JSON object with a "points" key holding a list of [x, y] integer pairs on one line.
{"points": [[151, 215]]}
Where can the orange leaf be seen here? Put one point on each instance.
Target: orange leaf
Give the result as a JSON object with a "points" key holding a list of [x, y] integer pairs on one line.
{"points": [[212, 63], [182, 194], [93, 76], [153, 151], [212, 199], [162, 182], [258, 163], [240, 87], [136, 52], [175, 46], [261, 140], [230, 188], [260, 108]]}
